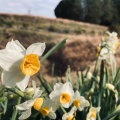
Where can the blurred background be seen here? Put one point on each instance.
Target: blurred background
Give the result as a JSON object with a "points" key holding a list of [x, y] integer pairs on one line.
{"points": [[32, 7], [50, 21]]}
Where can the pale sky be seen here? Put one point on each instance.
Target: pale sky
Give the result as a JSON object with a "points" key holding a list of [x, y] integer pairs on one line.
{"points": [[43, 8]]}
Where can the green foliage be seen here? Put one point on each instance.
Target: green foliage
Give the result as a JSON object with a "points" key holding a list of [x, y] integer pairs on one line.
{"points": [[70, 9], [92, 11], [103, 12], [108, 12], [100, 87]]}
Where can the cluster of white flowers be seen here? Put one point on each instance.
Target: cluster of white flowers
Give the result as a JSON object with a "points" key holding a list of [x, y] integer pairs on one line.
{"points": [[19, 64], [108, 48], [62, 95]]}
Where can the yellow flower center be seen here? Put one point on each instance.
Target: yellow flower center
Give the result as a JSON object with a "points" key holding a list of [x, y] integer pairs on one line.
{"points": [[44, 111], [98, 48], [76, 103], [38, 103], [97, 54], [30, 64], [93, 114], [64, 98], [115, 45], [70, 118]]}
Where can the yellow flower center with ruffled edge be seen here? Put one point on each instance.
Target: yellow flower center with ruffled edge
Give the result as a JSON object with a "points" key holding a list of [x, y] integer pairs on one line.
{"points": [[30, 64], [38, 103], [93, 114], [76, 103], [98, 48], [116, 45], [70, 118], [65, 98], [44, 111]]}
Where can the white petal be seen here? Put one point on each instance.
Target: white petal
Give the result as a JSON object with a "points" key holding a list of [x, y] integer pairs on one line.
{"points": [[36, 48], [67, 88], [26, 105], [54, 95], [58, 86], [37, 93], [52, 115], [34, 84], [77, 95], [9, 59], [10, 78], [25, 115], [67, 105], [15, 46], [23, 83], [49, 103]]}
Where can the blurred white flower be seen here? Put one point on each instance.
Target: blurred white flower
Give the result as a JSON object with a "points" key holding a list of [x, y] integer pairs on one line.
{"points": [[19, 63], [62, 94], [92, 114], [70, 115], [34, 102], [108, 48], [79, 101], [112, 36], [113, 42], [48, 108], [112, 88], [104, 54]]}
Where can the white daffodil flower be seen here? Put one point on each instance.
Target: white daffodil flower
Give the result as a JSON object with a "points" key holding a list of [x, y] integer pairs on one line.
{"points": [[92, 114], [113, 42], [104, 54], [19, 63], [34, 102], [62, 94], [48, 108], [70, 115], [112, 36], [79, 101]]}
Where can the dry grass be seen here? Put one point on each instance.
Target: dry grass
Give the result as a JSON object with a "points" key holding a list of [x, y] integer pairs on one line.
{"points": [[79, 52]]}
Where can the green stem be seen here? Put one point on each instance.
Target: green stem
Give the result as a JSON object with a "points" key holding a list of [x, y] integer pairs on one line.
{"points": [[15, 112], [99, 98], [64, 111], [45, 84], [56, 47], [112, 115], [18, 92], [2, 99]]}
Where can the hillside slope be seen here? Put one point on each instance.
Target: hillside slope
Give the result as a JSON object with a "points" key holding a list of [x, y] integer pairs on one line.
{"points": [[79, 52]]}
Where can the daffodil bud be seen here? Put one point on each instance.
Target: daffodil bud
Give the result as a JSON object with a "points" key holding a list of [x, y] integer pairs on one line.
{"points": [[91, 90], [110, 86], [29, 91], [98, 78], [89, 75]]}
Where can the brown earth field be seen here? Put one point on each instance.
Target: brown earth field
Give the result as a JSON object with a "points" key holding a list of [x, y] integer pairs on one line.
{"points": [[79, 52]]}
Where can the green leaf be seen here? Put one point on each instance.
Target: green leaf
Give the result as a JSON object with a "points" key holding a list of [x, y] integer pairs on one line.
{"points": [[52, 50]]}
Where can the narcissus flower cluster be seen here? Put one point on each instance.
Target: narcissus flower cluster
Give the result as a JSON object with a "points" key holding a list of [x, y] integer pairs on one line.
{"points": [[62, 95], [68, 100], [108, 47]]}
